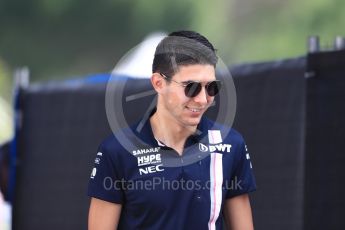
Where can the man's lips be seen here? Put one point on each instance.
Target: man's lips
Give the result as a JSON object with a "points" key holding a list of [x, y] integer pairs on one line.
{"points": [[194, 109]]}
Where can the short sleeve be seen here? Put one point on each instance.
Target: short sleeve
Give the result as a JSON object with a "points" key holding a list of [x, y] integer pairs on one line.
{"points": [[242, 178], [105, 183]]}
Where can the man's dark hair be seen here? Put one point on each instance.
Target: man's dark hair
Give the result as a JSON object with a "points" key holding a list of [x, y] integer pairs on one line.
{"points": [[182, 48]]}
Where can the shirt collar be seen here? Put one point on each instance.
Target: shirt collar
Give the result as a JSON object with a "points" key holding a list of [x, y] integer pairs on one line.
{"points": [[143, 130]]}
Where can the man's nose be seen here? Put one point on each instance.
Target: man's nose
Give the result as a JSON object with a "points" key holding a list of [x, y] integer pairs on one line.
{"points": [[201, 98]]}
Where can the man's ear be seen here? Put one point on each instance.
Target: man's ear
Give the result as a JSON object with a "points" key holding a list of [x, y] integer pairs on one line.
{"points": [[157, 82]]}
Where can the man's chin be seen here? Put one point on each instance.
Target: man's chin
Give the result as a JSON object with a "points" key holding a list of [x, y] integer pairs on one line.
{"points": [[192, 123]]}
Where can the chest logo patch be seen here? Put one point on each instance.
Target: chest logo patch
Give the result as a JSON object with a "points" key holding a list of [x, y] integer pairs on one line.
{"points": [[148, 160], [213, 148]]}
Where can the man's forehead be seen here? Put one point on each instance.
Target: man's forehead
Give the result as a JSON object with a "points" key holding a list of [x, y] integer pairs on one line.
{"points": [[200, 72]]}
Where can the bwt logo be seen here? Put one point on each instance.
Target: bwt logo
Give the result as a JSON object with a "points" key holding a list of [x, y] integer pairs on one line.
{"points": [[213, 148]]}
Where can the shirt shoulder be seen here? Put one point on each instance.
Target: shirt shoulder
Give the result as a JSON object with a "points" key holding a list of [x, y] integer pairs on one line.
{"points": [[118, 143], [110, 142]]}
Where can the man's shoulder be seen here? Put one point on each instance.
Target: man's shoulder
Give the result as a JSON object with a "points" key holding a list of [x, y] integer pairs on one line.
{"points": [[121, 141], [109, 141], [109, 144]]}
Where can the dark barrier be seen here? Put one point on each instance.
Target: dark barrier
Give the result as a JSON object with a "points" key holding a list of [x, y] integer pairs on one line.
{"points": [[325, 141], [270, 115], [62, 127], [63, 123]]}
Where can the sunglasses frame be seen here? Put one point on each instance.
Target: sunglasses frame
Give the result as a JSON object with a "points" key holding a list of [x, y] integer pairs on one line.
{"points": [[218, 82]]}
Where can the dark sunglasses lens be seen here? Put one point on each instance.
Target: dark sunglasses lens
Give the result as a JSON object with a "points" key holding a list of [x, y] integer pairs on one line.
{"points": [[192, 89], [213, 88]]}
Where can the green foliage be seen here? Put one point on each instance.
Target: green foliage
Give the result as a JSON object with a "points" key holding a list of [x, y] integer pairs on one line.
{"points": [[6, 120], [5, 82], [252, 31], [76, 37]]}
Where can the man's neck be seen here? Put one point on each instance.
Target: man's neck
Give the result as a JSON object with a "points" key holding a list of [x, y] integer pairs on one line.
{"points": [[167, 130]]}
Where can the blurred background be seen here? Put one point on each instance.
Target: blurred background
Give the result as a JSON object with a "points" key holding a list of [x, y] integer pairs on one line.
{"points": [[61, 39], [65, 39]]}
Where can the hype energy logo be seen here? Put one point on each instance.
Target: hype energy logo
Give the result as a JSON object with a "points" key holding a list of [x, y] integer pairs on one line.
{"points": [[213, 148]]}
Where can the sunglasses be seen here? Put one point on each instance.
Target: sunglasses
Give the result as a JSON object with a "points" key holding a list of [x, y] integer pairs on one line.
{"points": [[192, 88]]}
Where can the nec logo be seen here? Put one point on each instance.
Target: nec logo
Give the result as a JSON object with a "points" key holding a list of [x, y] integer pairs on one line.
{"points": [[212, 148], [151, 169]]}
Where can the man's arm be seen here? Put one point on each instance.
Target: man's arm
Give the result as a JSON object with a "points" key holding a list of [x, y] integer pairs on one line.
{"points": [[238, 213], [103, 215]]}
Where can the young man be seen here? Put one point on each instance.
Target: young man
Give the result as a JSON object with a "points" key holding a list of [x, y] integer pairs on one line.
{"points": [[183, 175]]}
